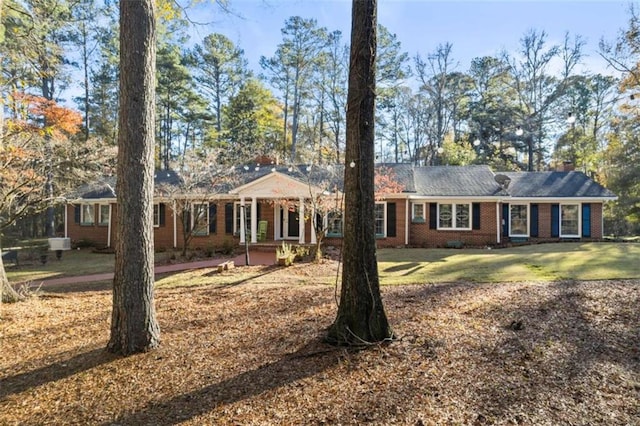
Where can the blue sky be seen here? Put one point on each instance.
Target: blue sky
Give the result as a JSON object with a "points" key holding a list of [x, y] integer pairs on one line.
{"points": [[475, 28]]}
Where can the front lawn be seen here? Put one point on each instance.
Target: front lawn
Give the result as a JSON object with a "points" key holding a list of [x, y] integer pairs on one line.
{"points": [[542, 262], [530, 353]]}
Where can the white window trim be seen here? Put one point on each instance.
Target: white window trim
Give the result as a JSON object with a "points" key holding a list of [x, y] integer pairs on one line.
{"points": [[454, 205], [421, 219], [326, 225], [578, 235], [193, 219], [93, 215], [236, 217], [384, 219], [528, 226], [156, 206], [100, 222]]}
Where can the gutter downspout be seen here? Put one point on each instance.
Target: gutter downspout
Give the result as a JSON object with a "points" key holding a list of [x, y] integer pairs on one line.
{"points": [[109, 227], [498, 223], [406, 222], [175, 225]]}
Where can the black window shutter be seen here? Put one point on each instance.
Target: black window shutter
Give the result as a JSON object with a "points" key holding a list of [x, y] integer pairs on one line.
{"points": [[555, 220], [76, 213], [475, 207], [505, 219], [433, 215], [213, 220], [161, 214], [186, 218], [228, 218], [391, 219], [533, 225], [586, 220]]}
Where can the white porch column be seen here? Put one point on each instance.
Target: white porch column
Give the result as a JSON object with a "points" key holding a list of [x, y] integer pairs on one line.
{"points": [[313, 226], [66, 221], [301, 221], [243, 225], [254, 220], [277, 214]]}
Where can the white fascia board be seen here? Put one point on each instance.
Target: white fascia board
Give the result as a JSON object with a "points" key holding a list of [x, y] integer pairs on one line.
{"points": [[559, 199]]}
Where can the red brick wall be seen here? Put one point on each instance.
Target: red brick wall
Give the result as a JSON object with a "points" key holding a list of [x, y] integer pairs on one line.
{"points": [[419, 233], [421, 236]]}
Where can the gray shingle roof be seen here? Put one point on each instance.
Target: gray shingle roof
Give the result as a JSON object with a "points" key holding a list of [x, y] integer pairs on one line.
{"points": [[456, 181], [571, 184], [428, 181]]}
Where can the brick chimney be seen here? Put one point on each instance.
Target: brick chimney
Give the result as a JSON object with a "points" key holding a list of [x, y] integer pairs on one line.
{"points": [[567, 166]]}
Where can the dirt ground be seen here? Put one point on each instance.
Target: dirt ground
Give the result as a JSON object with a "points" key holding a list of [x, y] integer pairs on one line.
{"points": [[564, 353]]}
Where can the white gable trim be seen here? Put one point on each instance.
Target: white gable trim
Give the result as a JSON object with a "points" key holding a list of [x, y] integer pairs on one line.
{"points": [[276, 185]]}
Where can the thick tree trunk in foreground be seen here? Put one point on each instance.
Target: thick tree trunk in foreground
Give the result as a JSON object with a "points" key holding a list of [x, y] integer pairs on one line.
{"points": [[361, 318], [133, 323]]}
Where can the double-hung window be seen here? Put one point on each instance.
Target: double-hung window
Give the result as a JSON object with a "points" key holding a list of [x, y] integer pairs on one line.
{"points": [[454, 216], [519, 220], [569, 220], [380, 222], [239, 210], [200, 218], [87, 213], [334, 223], [103, 215], [156, 215], [417, 212]]}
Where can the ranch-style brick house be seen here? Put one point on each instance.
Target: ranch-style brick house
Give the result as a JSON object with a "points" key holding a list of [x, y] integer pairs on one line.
{"points": [[439, 206]]}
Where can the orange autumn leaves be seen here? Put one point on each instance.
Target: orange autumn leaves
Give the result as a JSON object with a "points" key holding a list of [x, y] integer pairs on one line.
{"points": [[37, 115]]}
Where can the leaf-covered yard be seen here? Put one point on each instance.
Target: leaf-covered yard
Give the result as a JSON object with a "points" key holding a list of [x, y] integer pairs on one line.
{"points": [[516, 353]]}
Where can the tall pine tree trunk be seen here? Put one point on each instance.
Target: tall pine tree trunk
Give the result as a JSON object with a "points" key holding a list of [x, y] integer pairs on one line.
{"points": [[133, 323], [361, 318]]}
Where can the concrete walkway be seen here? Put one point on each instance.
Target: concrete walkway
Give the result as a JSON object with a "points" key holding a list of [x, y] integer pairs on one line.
{"points": [[255, 258]]}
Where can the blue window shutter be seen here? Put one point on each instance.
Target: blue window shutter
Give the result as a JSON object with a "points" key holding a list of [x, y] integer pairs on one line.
{"points": [[555, 220], [228, 218], [533, 224], [505, 219], [433, 215], [475, 207], [213, 219], [586, 220], [76, 213], [391, 219]]}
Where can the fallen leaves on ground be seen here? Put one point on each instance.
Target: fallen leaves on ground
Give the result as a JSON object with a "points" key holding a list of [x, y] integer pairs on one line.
{"points": [[252, 354]]}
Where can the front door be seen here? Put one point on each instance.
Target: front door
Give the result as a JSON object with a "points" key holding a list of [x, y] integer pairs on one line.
{"points": [[293, 225]]}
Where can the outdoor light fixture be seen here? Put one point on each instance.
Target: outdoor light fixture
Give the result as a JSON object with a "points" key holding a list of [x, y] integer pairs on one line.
{"points": [[352, 164], [571, 118], [476, 142], [519, 131]]}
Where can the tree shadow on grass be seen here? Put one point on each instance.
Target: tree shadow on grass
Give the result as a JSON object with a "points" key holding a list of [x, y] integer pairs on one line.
{"points": [[54, 372], [309, 360]]}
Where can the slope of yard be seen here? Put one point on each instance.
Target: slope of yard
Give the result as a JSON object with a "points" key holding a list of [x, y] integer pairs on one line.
{"points": [[252, 353]]}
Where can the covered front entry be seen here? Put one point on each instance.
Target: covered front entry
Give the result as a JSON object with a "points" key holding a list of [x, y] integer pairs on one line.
{"points": [[289, 223], [289, 208]]}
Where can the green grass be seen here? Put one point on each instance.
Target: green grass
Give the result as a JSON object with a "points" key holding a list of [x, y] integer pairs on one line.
{"points": [[542, 262], [72, 263]]}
